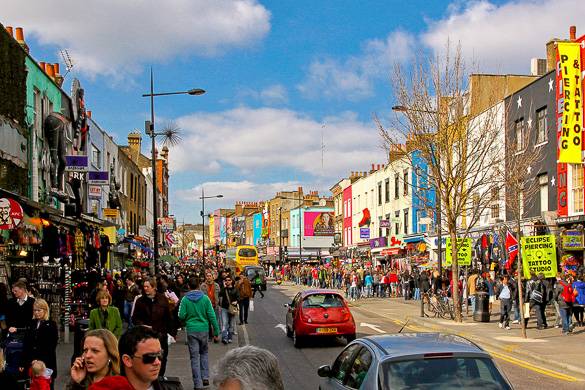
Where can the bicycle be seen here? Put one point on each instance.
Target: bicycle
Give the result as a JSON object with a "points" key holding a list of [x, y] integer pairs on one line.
{"points": [[439, 305]]}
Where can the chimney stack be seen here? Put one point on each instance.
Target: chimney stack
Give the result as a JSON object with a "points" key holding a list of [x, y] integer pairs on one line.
{"points": [[10, 31], [42, 65], [50, 71], [58, 78], [20, 38], [573, 33], [88, 111], [135, 145]]}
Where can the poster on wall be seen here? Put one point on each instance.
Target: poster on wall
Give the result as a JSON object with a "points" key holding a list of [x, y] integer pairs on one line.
{"points": [[539, 255], [463, 251], [11, 214], [318, 224]]}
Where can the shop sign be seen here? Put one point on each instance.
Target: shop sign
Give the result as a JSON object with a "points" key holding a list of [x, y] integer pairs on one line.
{"points": [[384, 223], [98, 177], [95, 192], [539, 255], [572, 240], [390, 251], [76, 164], [111, 213], [364, 232], [571, 219], [166, 224], [11, 214], [570, 139], [379, 242], [463, 251]]}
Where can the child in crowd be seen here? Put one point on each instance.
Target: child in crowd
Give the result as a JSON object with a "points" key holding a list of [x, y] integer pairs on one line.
{"points": [[40, 376]]}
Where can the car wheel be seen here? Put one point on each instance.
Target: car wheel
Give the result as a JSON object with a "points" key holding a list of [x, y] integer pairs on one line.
{"points": [[289, 333], [350, 338], [297, 341]]}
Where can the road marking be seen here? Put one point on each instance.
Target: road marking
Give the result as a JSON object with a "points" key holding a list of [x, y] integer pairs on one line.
{"points": [[371, 326], [246, 337], [282, 327], [529, 366]]}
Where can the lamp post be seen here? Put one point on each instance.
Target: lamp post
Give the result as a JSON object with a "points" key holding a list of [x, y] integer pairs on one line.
{"points": [[437, 193], [203, 197], [150, 132]]}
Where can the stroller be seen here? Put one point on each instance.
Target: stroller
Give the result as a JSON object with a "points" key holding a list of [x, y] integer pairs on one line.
{"points": [[13, 348]]}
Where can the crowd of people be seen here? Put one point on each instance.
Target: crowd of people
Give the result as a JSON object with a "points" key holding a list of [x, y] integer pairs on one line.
{"points": [[134, 317]]}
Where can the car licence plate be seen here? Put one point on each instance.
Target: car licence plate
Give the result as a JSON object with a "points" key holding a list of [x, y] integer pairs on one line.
{"points": [[326, 330]]}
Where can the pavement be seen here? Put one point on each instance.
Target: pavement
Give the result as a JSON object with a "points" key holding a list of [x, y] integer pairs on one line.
{"points": [[178, 365], [547, 348]]}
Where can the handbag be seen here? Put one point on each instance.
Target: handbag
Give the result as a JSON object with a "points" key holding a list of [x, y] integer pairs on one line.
{"points": [[233, 309], [526, 310], [169, 383]]}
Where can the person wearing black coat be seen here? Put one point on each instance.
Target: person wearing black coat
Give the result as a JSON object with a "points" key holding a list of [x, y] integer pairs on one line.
{"points": [[41, 338], [19, 309]]}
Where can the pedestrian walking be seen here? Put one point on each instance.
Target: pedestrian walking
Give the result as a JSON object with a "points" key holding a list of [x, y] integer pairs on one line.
{"points": [[228, 302], [505, 296], [565, 297], [536, 297], [257, 285], [99, 360], [196, 312], [152, 309], [579, 304], [244, 288], [211, 289], [105, 316], [130, 293]]}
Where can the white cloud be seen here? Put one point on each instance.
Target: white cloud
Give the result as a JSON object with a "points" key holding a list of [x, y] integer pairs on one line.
{"points": [[257, 140], [234, 191], [354, 78], [115, 37], [275, 94], [504, 38]]}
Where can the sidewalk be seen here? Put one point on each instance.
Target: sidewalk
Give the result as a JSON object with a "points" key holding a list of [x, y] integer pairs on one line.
{"points": [[547, 347], [178, 364]]}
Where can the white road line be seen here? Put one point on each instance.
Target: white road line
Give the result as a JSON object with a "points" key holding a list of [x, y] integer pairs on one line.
{"points": [[371, 326], [281, 327], [246, 337]]}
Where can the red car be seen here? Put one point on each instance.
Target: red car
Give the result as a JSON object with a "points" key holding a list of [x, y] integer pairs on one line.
{"points": [[318, 313]]}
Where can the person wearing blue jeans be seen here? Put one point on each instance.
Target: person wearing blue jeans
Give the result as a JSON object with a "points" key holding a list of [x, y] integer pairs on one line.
{"points": [[227, 296], [196, 312]]}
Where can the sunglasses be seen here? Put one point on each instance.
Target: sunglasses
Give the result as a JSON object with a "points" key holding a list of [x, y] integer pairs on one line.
{"points": [[149, 358]]}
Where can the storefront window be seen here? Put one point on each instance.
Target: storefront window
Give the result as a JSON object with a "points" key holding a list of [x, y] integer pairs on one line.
{"points": [[577, 188]]}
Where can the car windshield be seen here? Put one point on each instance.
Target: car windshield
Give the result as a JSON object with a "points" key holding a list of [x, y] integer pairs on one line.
{"points": [[442, 373], [247, 252], [251, 272], [323, 300]]}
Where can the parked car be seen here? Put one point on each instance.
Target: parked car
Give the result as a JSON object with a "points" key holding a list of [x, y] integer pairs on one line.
{"points": [[318, 313], [251, 270], [412, 361]]}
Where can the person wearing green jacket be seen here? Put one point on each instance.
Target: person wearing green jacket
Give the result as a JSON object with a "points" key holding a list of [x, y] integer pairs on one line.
{"points": [[105, 316], [196, 312]]}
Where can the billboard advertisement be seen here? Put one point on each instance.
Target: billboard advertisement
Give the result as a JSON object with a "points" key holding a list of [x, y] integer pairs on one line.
{"points": [[318, 224], [257, 228]]}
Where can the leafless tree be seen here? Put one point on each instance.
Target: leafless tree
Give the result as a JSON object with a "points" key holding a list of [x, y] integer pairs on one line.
{"points": [[459, 133]]}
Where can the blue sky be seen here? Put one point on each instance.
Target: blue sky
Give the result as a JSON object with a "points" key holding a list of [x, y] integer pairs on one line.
{"points": [[279, 75]]}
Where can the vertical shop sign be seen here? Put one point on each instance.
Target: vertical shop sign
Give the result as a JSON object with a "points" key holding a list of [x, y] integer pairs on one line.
{"points": [[570, 103]]}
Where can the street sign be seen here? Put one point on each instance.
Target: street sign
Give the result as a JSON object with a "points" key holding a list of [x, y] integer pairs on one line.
{"points": [[364, 232], [95, 192], [76, 164], [166, 224], [111, 213], [385, 223], [98, 177]]}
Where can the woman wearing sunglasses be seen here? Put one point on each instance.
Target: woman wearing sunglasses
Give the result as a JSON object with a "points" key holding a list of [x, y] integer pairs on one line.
{"points": [[100, 359]]}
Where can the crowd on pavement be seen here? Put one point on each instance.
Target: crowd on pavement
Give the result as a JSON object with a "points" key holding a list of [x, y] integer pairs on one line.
{"points": [[565, 294], [134, 318]]}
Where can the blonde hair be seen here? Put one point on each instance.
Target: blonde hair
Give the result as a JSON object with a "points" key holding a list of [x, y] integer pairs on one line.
{"points": [[38, 368], [111, 343], [40, 303], [103, 294]]}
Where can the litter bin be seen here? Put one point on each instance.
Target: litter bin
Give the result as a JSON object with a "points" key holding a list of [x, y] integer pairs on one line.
{"points": [[81, 327], [482, 307]]}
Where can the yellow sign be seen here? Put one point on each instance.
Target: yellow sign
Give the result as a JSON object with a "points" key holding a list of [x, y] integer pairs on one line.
{"points": [[463, 251], [211, 230], [539, 255], [572, 103], [111, 213]]}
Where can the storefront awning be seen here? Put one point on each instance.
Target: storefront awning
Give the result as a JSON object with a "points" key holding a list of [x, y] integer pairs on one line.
{"points": [[414, 238]]}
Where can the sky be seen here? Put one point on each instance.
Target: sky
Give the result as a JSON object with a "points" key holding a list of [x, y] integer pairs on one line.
{"points": [[291, 86]]}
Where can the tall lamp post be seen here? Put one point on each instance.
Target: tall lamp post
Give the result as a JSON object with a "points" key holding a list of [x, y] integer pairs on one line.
{"points": [[203, 197], [437, 193], [168, 134]]}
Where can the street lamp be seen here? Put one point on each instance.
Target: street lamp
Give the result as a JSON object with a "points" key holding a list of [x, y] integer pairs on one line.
{"points": [[203, 197], [168, 134], [438, 191]]}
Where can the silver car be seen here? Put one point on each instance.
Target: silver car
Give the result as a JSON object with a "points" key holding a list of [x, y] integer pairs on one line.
{"points": [[412, 361]]}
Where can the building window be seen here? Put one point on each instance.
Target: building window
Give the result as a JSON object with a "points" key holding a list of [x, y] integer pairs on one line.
{"points": [[96, 157], [387, 190], [495, 203], [405, 180], [405, 221], [397, 222], [519, 133], [380, 193], [396, 186], [577, 188], [541, 126], [379, 227], [543, 189]]}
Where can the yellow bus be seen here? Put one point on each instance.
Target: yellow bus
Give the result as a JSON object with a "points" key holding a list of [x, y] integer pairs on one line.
{"points": [[239, 257]]}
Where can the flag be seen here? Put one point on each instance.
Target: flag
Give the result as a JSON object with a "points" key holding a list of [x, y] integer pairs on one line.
{"points": [[511, 248], [170, 240]]}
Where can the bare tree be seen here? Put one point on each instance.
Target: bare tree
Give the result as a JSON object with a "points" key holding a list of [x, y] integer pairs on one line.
{"points": [[459, 134], [521, 188]]}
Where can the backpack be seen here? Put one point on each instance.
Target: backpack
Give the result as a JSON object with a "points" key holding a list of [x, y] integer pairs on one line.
{"points": [[567, 294]]}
